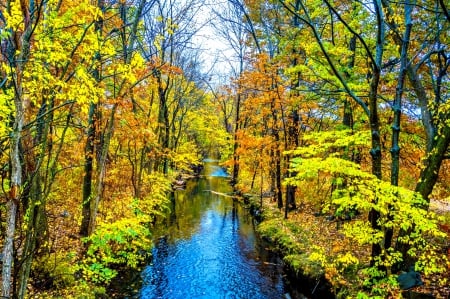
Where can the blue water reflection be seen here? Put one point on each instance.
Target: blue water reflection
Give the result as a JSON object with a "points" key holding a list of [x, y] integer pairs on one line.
{"points": [[218, 171], [210, 251]]}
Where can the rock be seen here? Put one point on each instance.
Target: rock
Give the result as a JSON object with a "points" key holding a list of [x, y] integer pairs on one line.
{"points": [[330, 218], [65, 214], [409, 279], [178, 184]]}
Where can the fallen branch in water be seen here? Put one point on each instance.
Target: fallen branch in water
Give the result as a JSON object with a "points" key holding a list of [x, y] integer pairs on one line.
{"points": [[218, 193]]}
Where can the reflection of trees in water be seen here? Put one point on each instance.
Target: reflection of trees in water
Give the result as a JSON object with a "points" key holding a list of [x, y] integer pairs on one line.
{"points": [[234, 218], [212, 236], [173, 211], [188, 206]]}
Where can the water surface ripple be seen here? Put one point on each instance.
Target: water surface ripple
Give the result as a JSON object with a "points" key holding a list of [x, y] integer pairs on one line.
{"points": [[210, 250]]}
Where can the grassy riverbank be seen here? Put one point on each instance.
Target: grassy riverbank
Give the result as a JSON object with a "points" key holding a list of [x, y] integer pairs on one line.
{"points": [[315, 247]]}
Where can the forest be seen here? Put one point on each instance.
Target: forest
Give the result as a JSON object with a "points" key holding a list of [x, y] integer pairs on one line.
{"points": [[331, 116]]}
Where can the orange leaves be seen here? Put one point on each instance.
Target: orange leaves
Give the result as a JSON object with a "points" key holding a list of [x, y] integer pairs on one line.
{"points": [[263, 90]]}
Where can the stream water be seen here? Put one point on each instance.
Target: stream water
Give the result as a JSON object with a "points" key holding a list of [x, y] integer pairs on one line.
{"points": [[207, 248]]}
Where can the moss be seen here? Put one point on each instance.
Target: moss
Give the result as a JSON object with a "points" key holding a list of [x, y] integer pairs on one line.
{"points": [[301, 263], [55, 275], [55, 270], [287, 237]]}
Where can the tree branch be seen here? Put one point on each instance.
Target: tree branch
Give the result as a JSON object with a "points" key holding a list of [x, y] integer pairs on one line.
{"points": [[327, 56], [363, 42], [444, 9]]}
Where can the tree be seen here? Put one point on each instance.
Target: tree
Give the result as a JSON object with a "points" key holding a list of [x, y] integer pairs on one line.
{"points": [[123, 81], [169, 29], [43, 81], [236, 33], [378, 79], [16, 39]]}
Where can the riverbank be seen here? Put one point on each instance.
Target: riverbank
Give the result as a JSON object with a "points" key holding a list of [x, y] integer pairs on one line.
{"points": [[319, 258], [292, 242]]}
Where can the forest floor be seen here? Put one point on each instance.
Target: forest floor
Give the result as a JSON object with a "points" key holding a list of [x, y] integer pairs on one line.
{"points": [[440, 206], [303, 232]]}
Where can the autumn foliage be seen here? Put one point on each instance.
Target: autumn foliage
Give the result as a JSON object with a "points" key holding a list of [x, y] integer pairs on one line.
{"points": [[335, 123]]}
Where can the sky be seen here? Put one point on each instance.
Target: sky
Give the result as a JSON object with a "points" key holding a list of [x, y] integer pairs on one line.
{"points": [[216, 52]]}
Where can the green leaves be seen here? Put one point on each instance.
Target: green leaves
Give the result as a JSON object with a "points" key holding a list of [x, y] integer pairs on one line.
{"points": [[126, 242], [354, 189]]}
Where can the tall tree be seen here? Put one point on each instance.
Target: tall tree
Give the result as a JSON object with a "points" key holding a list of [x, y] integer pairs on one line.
{"points": [[45, 81], [236, 27], [15, 51], [98, 136], [170, 27]]}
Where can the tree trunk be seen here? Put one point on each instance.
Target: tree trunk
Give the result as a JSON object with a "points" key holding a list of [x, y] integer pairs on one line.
{"points": [[35, 206], [397, 108], [14, 194], [375, 152], [163, 120], [235, 176], [292, 140], [277, 158], [432, 163], [21, 43], [88, 204], [8, 246], [101, 171], [437, 144], [88, 171]]}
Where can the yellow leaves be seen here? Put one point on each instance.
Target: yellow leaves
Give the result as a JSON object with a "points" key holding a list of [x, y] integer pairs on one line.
{"points": [[395, 16], [158, 42], [13, 17], [318, 255], [65, 36], [86, 12], [361, 231], [83, 89], [347, 259], [106, 48], [59, 43], [6, 108], [62, 29], [127, 74], [136, 65], [186, 156], [398, 208]]}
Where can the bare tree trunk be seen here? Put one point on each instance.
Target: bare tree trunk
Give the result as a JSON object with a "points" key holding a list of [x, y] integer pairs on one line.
{"points": [[18, 42], [293, 135], [235, 176], [277, 157], [15, 192]]}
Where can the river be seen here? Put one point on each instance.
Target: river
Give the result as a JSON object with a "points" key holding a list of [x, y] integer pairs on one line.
{"points": [[207, 248]]}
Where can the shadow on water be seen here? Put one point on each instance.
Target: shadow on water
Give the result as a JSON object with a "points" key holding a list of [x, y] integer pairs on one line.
{"points": [[207, 248]]}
